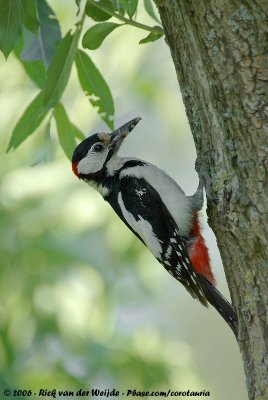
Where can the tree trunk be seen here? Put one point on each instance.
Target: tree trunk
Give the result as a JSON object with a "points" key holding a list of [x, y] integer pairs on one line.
{"points": [[220, 52]]}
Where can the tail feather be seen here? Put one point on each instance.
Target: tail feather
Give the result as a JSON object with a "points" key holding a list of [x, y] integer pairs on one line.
{"points": [[216, 299]]}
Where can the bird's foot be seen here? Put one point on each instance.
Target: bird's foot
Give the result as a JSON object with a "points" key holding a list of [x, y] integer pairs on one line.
{"points": [[202, 167]]}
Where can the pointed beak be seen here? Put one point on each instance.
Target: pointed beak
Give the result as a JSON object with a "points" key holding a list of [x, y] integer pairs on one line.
{"points": [[119, 134]]}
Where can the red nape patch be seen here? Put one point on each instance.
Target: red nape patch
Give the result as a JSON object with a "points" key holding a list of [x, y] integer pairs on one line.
{"points": [[198, 252], [74, 168]]}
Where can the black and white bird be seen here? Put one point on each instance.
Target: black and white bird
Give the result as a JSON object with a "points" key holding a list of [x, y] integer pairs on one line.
{"points": [[156, 210]]}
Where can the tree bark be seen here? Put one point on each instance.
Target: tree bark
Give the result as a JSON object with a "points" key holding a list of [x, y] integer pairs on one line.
{"points": [[220, 52]]}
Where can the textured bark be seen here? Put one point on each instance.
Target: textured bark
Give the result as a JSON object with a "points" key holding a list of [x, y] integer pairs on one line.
{"points": [[220, 52]]}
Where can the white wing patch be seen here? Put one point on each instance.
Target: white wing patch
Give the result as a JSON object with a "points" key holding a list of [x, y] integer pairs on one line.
{"points": [[170, 192], [143, 228]]}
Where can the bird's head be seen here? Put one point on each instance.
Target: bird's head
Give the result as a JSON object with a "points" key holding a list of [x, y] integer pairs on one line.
{"points": [[91, 155]]}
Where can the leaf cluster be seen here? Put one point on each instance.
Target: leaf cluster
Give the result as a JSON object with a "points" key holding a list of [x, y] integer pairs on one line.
{"points": [[31, 30]]}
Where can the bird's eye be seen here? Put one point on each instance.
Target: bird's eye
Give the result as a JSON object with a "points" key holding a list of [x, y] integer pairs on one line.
{"points": [[98, 147]]}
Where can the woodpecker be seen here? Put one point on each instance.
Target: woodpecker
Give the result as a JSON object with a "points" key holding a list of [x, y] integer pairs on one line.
{"points": [[156, 210]]}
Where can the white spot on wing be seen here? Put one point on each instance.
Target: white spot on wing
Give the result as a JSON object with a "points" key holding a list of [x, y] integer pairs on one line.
{"points": [[193, 278], [178, 268], [168, 252], [141, 192]]}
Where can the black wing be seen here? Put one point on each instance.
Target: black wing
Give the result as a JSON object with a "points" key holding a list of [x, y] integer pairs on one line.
{"points": [[139, 205]]}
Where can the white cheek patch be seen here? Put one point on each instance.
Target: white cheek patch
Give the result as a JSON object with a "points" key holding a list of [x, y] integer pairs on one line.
{"points": [[93, 162]]}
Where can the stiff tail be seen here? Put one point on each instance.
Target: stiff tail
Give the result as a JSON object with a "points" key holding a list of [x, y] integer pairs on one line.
{"points": [[216, 299]]}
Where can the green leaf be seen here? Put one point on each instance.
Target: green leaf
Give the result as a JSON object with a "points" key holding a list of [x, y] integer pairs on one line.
{"points": [[96, 13], [65, 130], [46, 150], [94, 37], [60, 68], [36, 71], [49, 31], [10, 24], [29, 121], [153, 36], [41, 45], [78, 6], [118, 7], [130, 6], [31, 49], [29, 17], [77, 133], [95, 87], [148, 5]]}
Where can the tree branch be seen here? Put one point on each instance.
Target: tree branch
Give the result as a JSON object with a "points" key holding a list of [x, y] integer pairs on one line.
{"points": [[155, 29]]}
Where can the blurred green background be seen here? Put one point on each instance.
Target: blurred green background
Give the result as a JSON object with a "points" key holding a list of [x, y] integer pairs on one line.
{"points": [[83, 303]]}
